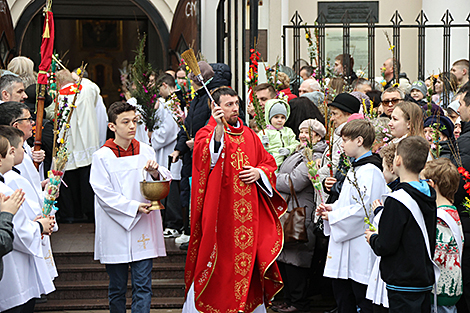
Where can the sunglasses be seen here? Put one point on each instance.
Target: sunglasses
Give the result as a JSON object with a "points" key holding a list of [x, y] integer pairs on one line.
{"points": [[391, 102], [30, 119]]}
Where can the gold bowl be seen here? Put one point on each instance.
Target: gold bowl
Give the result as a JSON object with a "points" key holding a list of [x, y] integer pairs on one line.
{"points": [[154, 191]]}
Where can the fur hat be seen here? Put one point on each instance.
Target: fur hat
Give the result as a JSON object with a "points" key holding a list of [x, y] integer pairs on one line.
{"points": [[420, 86], [314, 125], [278, 108], [346, 102]]}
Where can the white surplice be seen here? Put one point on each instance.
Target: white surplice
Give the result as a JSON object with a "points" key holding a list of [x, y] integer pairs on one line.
{"points": [[164, 140], [122, 234], [31, 174], [25, 273], [349, 255]]}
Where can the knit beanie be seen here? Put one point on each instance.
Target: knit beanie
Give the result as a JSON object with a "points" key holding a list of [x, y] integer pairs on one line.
{"points": [[420, 86], [278, 108], [446, 126], [314, 125], [454, 105]]}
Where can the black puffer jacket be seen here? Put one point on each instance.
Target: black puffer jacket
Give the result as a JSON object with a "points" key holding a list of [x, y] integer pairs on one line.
{"points": [[199, 112], [447, 151]]}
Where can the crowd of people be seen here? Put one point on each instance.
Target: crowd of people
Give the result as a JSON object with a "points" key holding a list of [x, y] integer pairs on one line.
{"points": [[385, 212]]}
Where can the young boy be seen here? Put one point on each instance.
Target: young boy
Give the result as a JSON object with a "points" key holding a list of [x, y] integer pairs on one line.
{"points": [[26, 276], [350, 259], [16, 180], [444, 178], [278, 140], [388, 154], [408, 232], [127, 233]]}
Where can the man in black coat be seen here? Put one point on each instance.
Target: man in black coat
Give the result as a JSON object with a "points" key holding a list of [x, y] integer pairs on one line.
{"points": [[215, 75]]}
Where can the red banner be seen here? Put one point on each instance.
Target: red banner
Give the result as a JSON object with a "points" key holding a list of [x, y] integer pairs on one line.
{"points": [[47, 48]]}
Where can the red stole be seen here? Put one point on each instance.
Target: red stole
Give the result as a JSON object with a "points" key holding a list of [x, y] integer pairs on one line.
{"points": [[236, 235]]}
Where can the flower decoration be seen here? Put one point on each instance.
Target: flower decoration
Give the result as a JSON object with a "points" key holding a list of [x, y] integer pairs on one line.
{"points": [[252, 82]]}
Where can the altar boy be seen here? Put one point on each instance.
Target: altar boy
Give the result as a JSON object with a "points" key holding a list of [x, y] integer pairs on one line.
{"points": [[350, 259], [127, 233]]}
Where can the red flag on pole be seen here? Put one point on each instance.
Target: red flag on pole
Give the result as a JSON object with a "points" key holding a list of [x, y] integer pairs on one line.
{"points": [[47, 47]]}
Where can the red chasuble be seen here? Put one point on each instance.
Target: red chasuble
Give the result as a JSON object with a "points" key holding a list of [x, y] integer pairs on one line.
{"points": [[236, 235]]}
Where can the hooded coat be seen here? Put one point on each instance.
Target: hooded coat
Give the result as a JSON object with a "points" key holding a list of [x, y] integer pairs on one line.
{"points": [[278, 138], [198, 115]]}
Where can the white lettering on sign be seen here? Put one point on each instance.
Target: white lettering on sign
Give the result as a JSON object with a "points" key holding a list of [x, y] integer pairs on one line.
{"points": [[190, 9]]}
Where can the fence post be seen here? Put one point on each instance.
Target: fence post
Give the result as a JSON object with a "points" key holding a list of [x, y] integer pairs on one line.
{"points": [[421, 20], [346, 62], [447, 19], [296, 20], [321, 21], [396, 21], [371, 47]]}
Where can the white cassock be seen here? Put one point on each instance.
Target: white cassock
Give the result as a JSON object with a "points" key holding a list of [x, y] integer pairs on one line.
{"points": [[140, 131], [102, 119], [25, 273], [164, 140], [122, 234], [83, 136], [376, 288], [349, 255], [31, 174]]}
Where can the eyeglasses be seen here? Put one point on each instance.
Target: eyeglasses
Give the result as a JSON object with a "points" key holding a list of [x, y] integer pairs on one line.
{"points": [[30, 119], [391, 102]]}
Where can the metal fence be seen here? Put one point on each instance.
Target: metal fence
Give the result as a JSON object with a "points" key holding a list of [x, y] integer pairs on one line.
{"points": [[371, 26]]}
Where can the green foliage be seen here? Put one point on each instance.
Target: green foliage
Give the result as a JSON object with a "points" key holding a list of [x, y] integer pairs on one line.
{"points": [[145, 89]]}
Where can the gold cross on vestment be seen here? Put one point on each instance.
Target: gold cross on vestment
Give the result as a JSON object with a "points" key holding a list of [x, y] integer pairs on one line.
{"points": [[49, 256], [143, 241]]}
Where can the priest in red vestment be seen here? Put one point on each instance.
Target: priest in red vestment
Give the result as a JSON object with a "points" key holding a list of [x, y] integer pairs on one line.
{"points": [[236, 235]]}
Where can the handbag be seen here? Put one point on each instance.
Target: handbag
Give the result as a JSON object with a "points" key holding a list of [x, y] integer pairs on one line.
{"points": [[294, 221]]}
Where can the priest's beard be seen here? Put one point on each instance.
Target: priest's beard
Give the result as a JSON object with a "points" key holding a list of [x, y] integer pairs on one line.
{"points": [[233, 121]]}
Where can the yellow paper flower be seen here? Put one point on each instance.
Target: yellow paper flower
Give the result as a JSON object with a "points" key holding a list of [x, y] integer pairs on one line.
{"points": [[61, 140], [306, 36], [79, 71], [391, 47]]}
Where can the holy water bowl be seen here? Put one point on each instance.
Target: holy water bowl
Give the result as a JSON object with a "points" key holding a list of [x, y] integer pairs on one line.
{"points": [[154, 191]]}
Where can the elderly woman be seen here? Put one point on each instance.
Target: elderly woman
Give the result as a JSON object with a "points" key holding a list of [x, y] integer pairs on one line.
{"points": [[295, 258]]}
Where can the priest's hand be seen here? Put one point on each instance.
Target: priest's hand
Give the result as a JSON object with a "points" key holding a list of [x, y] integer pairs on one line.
{"points": [[249, 175], [144, 208], [38, 156], [217, 114], [323, 209], [152, 168]]}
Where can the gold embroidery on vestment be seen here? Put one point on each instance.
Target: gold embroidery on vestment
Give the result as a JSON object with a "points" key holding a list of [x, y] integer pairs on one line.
{"points": [[243, 211], [143, 241], [244, 237], [241, 288], [240, 187], [240, 159], [243, 263]]}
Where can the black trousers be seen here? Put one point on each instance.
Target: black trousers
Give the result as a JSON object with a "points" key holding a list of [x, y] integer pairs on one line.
{"points": [[172, 215], [379, 309], [406, 302], [27, 307], [185, 199], [295, 289], [77, 199], [350, 294]]}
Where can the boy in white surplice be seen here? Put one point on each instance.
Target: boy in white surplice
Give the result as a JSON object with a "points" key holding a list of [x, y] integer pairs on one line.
{"points": [[127, 233]]}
